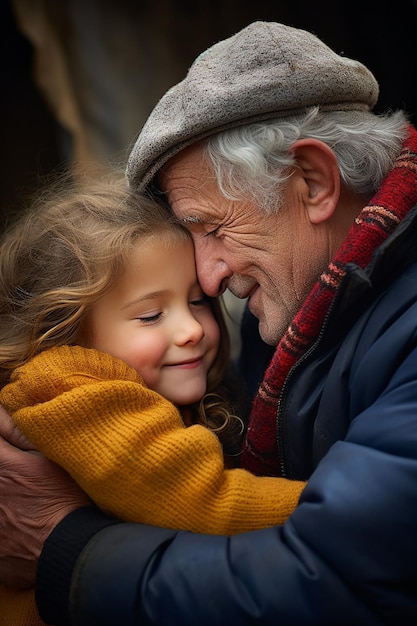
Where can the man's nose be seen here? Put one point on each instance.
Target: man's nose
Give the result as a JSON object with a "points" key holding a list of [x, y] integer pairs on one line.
{"points": [[213, 273]]}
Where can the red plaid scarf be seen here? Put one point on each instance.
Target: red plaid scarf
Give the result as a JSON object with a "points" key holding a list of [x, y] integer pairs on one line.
{"points": [[395, 198]]}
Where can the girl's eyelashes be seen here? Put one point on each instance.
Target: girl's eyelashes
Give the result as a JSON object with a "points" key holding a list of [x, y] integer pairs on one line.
{"points": [[149, 319], [202, 301]]}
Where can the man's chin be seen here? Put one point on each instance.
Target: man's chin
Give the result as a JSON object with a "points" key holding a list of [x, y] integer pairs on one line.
{"points": [[267, 329], [268, 337]]}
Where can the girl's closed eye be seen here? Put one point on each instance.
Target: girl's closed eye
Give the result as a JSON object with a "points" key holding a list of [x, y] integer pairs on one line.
{"points": [[201, 300], [149, 318]]}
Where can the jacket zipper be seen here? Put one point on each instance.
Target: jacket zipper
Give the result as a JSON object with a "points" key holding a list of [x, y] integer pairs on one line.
{"points": [[280, 417]]}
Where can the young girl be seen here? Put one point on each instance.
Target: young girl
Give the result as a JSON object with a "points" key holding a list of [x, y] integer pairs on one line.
{"points": [[113, 363]]}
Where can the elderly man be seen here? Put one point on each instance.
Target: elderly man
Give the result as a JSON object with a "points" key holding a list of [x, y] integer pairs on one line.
{"points": [[300, 199]]}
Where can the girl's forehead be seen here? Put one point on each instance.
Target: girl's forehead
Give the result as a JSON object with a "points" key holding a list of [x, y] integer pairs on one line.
{"points": [[165, 242], [168, 236]]}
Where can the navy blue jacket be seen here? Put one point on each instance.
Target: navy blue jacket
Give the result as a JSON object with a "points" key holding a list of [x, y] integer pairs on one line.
{"points": [[348, 554]]}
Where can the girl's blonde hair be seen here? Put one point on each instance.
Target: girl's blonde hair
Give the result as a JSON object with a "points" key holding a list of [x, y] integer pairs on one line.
{"points": [[64, 253]]}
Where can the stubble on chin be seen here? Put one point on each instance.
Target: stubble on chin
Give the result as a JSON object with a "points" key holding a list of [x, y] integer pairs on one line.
{"points": [[274, 321]]}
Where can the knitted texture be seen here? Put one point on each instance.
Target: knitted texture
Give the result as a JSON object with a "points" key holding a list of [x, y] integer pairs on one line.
{"points": [[267, 70], [395, 198], [18, 608], [128, 448]]}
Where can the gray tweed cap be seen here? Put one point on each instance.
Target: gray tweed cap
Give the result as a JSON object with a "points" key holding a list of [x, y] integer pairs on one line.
{"points": [[267, 70]]}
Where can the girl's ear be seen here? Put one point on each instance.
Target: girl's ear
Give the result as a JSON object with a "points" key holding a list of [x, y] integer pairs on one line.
{"points": [[318, 167]]}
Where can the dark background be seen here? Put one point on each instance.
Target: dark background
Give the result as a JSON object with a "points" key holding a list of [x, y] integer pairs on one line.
{"points": [[34, 143]]}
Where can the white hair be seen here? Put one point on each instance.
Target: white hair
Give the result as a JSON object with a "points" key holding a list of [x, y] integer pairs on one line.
{"points": [[254, 161]]}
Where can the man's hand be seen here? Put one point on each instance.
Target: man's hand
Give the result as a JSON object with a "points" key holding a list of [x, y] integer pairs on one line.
{"points": [[35, 495]]}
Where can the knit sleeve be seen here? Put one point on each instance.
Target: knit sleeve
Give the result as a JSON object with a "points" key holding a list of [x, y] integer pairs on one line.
{"points": [[128, 448]]}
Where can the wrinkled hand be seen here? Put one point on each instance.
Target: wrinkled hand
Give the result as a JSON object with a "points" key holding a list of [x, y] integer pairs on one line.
{"points": [[35, 495]]}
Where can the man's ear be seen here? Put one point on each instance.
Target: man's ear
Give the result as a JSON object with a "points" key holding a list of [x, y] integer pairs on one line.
{"points": [[318, 167]]}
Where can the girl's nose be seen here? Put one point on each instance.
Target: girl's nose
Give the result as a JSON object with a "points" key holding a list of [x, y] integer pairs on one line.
{"points": [[189, 330]]}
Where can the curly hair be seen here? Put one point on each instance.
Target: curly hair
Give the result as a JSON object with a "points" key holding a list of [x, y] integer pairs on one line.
{"points": [[67, 250]]}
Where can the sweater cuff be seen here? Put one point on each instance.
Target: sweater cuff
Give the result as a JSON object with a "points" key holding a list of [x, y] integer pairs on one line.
{"points": [[57, 560]]}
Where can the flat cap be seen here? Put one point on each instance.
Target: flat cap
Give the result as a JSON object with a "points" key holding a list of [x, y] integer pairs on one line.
{"points": [[267, 70]]}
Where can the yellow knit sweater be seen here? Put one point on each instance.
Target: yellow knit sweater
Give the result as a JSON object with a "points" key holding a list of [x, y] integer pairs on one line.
{"points": [[128, 448]]}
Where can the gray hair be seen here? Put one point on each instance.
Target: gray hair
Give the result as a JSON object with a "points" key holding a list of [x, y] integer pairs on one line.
{"points": [[254, 161]]}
